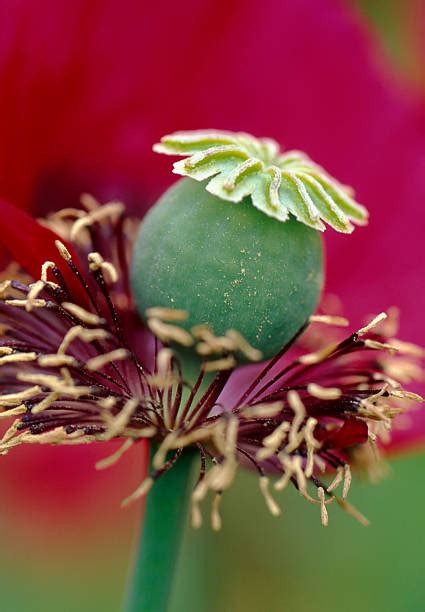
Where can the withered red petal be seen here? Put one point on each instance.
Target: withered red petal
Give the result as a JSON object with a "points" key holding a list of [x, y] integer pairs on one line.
{"points": [[31, 244], [351, 433]]}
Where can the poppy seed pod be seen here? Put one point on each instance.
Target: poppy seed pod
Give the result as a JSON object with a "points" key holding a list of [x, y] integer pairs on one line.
{"points": [[238, 247], [228, 266]]}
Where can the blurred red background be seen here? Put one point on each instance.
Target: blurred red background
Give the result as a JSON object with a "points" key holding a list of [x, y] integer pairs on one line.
{"points": [[87, 87]]}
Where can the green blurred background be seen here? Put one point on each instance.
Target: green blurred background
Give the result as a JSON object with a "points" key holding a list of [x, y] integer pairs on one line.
{"points": [[51, 560], [257, 563]]}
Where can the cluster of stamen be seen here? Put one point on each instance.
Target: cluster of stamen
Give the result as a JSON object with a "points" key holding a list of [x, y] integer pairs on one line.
{"points": [[76, 367]]}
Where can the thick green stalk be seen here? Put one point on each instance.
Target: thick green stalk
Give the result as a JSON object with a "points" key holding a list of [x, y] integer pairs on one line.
{"points": [[163, 526]]}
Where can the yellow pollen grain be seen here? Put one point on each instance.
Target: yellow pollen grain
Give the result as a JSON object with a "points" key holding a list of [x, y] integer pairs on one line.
{"points": [[36, 303], [231, 436], [309, 433], [163, 382], [321, 465], [384, 378], [221, 476], [166, 314], [324, 393], [81, 313], [197, 435], [415, 397], [288, 467], [262, 410], [170, 333], [243, 345], [380, 346], [323, 510], [204, 349], [219, 436], [201, 331], [89, 202], [216, 344], [67, 378], [113, 209], [79, 437], [210, 343], [309, 467], [107, 403], [318, 356], [10, 399], [227, 363], [164, 360], [145, 432], [55, 436], [299, 474], [54, 383], [17, 357], [164, 378], [273, 441], [375, 321], [165, 446], [115, 457], [54, 360], [10, 440], [337, 480], [63, 251], [329, 320], [215, 512], [136, 433], [21, 409], [347, 481], [195, 514], [45, 403], [117, 424], [352, 511], [141, 491], [98, 362], [270, 502], [86, 335], [48, 265], [34, 292], [10, 432], [96, 262], [200, 491], [295, 437], [379, 394], [64, 213], [312, 445]]}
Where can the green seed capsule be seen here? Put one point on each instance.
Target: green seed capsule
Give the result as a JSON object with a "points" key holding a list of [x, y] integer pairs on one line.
{"points": [[228, 265]]}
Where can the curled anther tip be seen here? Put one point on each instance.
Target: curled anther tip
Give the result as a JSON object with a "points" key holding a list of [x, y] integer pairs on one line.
{"points": [[238, 165]]}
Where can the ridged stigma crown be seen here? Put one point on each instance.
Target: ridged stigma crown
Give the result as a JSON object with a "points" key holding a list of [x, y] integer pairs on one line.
{"points": [[280, 184]]}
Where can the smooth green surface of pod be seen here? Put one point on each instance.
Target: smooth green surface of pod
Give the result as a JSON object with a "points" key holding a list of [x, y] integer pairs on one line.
{"points": [[228, 265]]}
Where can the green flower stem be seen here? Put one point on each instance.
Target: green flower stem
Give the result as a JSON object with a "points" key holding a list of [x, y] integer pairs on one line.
{"points": [[163, 526]]}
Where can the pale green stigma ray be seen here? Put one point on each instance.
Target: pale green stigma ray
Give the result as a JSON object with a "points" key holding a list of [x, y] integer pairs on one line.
{"points": [[342, 197], [299, 202], [250, 165], [214, 153], [182, 143], [280, 184], [327, 207]]}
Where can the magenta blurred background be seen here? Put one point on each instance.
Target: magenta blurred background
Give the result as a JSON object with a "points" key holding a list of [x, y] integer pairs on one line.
{"points": [[87, 87]]}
